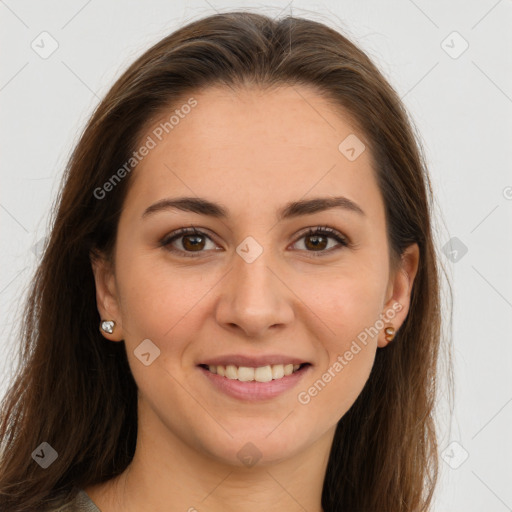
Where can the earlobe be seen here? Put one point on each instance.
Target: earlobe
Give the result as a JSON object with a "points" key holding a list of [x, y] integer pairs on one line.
{"points": [[401, 285], [106, 297]]}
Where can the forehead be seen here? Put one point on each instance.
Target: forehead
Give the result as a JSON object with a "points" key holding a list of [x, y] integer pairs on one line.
{"points": [[253, 148]]}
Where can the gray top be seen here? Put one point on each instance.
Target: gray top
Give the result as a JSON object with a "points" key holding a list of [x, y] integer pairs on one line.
{"points": [[81, 503]]}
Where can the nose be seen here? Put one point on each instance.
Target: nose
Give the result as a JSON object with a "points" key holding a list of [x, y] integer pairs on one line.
{"points": [[254, 298]]}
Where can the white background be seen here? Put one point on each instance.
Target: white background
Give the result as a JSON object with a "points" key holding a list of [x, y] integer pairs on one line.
{"points": [[461, 106]]}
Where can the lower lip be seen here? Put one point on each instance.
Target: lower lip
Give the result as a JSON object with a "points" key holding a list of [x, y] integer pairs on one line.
{"points": [[253, 390]]}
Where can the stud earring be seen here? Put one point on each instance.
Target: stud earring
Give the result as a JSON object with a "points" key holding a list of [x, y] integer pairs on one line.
{"points": [[389, 333], [107, 326]]}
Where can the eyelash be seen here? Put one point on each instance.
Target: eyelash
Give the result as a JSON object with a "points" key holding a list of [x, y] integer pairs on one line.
{"points": [[320, 230]]}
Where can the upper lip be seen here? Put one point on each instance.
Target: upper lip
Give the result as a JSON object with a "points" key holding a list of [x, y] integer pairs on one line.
{"points": [[252, 361]]}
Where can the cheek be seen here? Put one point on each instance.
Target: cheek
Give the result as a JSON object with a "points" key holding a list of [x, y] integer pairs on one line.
{"points": [[349, 308], [335, 388], [159, 303], [346, 301], [156, 298], [349, 353]]}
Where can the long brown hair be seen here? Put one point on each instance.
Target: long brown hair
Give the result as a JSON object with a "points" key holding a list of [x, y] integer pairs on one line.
{"points": [[76, 392]]}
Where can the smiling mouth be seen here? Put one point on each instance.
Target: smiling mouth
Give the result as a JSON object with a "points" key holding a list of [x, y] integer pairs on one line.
{"points": [[260, 374]]}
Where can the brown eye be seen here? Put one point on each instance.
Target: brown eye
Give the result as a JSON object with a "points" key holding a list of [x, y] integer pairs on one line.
{"points": [[190, 240], [193, 242], [316, 240]]}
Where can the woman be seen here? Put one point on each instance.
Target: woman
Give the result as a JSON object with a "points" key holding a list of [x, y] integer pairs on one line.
{"points": [[238, 306]]}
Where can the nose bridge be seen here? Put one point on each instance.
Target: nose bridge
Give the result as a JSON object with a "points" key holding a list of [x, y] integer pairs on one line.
{"points": [[254, 278], [255, 299]]}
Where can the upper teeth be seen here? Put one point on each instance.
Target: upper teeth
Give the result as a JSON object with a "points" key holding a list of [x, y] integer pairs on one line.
{"points": [[260, 374]]}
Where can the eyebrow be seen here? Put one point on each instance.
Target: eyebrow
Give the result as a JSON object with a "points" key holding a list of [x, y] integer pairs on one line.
{"points": [[291, 210]]}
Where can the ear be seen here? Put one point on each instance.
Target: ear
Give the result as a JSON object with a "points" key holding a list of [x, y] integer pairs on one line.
{"points": [[106, 294], [399, 291]]}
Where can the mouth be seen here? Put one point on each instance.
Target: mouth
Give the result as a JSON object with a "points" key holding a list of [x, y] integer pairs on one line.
{"points": [[265, 373], [253, 384]]}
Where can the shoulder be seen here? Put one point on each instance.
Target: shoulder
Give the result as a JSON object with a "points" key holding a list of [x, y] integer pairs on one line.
{"points": [[79, 502]]}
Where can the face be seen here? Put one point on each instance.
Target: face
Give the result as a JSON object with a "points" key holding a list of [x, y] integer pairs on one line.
{"points": [[262, 283]]}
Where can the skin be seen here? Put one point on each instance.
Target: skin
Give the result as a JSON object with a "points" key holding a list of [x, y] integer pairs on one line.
{"points": [[278, 146]]}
